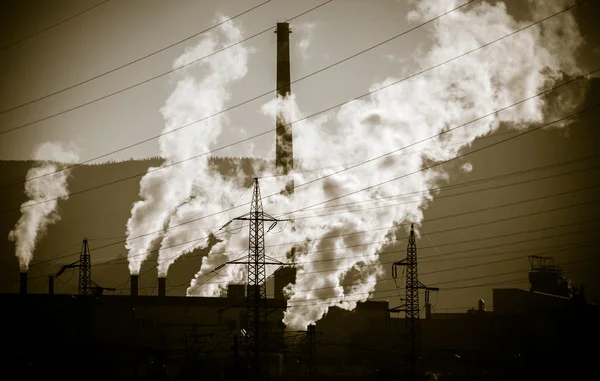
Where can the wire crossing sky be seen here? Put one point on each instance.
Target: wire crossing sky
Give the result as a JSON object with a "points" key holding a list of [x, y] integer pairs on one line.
{"points": [[471, 119]]}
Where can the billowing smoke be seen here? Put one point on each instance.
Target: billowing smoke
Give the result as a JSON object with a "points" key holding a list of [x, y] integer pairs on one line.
{"points": [[41, 184], [178, 193], [337, 271]]}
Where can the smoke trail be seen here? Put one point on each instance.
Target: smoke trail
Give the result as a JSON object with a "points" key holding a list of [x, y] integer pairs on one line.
{"points": [[338, 272], [174, 193], [37, 213]]}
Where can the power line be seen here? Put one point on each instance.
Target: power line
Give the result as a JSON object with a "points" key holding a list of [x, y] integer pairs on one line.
{"points": [[424, 273], [442, 289], [449, 160], [131, 62], [450, 187], [448, 282], [258, 97], [502, 141], [459, 214], [385, 279], [51, 27], [460, 185], [314, 180], [435, 232], [581, 245], [143, 82], [447, 255], [328, 237]]}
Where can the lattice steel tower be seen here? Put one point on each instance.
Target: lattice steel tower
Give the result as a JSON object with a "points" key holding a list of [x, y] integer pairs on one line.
{"points": [[256, 287], [85, 269], [411, 307], [413, 327]]}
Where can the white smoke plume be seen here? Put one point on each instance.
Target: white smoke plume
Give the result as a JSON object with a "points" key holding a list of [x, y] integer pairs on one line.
{"points": [[305, 33], [179, 192], [337, 271], [41, 185]]}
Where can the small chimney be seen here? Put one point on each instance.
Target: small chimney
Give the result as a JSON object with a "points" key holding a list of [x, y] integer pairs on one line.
{"points": [[51, 284], [134, 285], [23, 283], [481, 305], [162, 286]]}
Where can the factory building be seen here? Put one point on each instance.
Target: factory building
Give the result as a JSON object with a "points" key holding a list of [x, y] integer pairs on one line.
{"points": [[179, 338]]}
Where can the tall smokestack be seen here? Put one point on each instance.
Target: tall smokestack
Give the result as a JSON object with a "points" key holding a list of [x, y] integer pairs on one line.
{"points": [[51, 284], [23, 283], [284, 148], [134, 285], [162, 286]]}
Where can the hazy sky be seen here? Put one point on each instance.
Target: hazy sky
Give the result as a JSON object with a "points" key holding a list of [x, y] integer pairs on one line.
{"points": [[118, 32], [121, 31]]}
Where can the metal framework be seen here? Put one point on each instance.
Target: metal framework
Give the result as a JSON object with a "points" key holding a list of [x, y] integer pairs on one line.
{"points": [[411, 306], [85, 269], [256, 287], [86, 285]]}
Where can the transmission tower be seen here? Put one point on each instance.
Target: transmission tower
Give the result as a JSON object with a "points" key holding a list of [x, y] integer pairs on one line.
{"points": [[256, 292], [86, 285], [411, 307], [85, 269]]}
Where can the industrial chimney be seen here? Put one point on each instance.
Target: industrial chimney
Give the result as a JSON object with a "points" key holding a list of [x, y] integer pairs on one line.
{"points": [[284, 148], [134, 285], [51, 284], [23, 283], [162, 286]]}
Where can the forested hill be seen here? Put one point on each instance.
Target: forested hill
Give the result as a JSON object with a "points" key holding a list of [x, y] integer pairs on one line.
{"points": [[100, 214]]}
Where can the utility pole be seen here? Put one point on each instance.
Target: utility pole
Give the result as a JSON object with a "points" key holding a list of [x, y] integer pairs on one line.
{"points": [[256, 293], [411, 307]]}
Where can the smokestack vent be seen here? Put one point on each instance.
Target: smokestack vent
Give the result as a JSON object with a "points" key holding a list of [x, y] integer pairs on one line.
{"points": [[51, 284], [23, 283], [162, 286], [134, 285]]}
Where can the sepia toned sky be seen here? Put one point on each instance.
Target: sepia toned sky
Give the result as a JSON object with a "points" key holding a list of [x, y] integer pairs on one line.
{"points": [[117, 32], [120, 31]]}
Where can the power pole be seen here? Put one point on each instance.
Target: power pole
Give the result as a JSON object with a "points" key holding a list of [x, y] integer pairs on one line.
{"points": [[411, 307], [256, 293], [85, 269]]}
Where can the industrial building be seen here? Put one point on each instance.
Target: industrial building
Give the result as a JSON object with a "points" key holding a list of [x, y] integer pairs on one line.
{"points": [[529, 333]]}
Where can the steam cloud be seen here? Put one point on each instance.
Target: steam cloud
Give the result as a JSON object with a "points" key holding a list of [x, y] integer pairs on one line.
{"points": [[336, 272], [37, 213], [178, 193]]}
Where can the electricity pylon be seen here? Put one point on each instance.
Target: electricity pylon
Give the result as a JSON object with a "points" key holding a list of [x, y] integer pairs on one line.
{"points": [[256, 287], [411, 307], [86, 285]]}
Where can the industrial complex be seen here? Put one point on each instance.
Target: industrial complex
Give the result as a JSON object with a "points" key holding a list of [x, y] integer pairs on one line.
{"points": [[549, 331]]}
